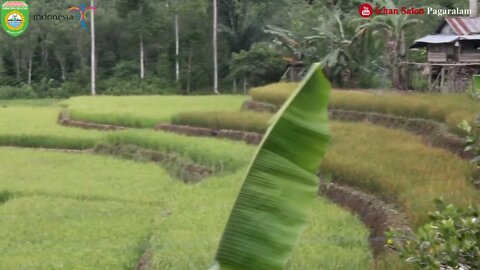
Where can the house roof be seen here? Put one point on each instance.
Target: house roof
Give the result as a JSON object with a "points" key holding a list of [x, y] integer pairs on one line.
{"points": [[434, 39], [461, 26], [437, 39]]}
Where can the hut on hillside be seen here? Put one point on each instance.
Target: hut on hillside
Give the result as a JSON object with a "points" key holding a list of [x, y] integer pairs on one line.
{"points": [[453, 53], [295, 70]]}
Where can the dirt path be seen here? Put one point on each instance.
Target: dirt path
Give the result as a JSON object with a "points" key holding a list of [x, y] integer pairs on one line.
{"points": [[65, 120], [375, 214]]}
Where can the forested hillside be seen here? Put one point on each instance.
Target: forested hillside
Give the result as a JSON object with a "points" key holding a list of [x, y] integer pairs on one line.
{"points": [[255, 38]]}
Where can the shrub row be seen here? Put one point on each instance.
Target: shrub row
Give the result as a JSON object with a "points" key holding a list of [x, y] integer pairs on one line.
{"points": [[10, 92]]}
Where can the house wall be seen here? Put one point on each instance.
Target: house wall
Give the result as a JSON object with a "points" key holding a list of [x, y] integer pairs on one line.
{"points": [[469, 51], [441, 52], [470, 46]]}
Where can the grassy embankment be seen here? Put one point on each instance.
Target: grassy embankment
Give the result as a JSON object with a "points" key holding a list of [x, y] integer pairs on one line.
{"points": [[37, 127], [391, 163], [394, 164], [145, 112], [450, 109]]}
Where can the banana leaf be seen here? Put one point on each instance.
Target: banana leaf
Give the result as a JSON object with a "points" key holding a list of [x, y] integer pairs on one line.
{"points": [[275, 200]]}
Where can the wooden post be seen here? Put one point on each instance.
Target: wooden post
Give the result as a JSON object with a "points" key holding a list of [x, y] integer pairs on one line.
{"points": [[442, 80], [244, 84], [430, 86]]}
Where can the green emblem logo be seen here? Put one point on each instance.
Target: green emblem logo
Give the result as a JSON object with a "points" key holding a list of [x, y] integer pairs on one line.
{"points": [[15, 17]]}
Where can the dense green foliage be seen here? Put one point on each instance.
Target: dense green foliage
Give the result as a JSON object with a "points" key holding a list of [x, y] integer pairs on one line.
{"points": [[255, 37], [473, 138], [473, 145], [450, 239]]}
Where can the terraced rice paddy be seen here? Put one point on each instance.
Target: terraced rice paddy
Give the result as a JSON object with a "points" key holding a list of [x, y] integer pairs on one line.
{"points": [[113, 211], [87, 211]]}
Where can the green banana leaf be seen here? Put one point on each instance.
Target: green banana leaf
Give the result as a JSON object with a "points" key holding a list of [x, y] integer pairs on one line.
{"points": [[276, 198]]}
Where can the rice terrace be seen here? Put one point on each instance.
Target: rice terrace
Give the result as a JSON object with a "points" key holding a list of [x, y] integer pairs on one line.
{"points": [[237, 135]]}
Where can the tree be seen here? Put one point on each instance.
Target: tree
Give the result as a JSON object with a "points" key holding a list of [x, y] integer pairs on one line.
{"points": [[261, 65], [339, 60], [393, 28], [138, 12]]}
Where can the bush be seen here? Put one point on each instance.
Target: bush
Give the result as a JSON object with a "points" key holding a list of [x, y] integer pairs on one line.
{"points": [[473, 145], [245, 120], [23, 92], [260, 65], [133, 86], [450, 240]]}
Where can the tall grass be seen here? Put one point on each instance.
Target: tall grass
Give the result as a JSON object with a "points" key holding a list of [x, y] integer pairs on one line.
{"points": [[450, 109], [399, 167], [145, 111], [242, 120]]}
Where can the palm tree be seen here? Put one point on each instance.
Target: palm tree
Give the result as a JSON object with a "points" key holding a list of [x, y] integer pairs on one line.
{"points": [[393, 28], [339, 59], [295, 44], [93, 60], [331, 41], [215, 50]]}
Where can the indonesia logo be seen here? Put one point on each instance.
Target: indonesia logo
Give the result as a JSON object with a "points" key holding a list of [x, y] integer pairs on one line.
{"points": [[365, 10], [15, 17]]}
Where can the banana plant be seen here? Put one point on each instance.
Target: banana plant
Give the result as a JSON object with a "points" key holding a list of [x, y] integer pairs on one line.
{"points": [[275, 200]]}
